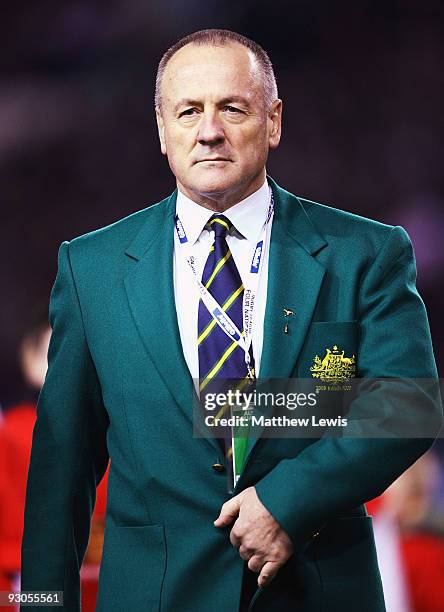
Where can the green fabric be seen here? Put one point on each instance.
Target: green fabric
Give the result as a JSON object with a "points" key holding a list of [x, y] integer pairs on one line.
{"points": [[240, 450], [240, 447], [118, 387]]}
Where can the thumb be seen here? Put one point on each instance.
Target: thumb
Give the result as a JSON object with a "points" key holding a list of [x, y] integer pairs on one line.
{"points": [[228, 512]]}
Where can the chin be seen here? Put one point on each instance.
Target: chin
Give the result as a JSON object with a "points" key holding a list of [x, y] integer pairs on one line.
{"points": [[217, 182]]}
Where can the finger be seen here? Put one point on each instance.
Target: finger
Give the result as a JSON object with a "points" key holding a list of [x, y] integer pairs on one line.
{"points": [[255, 564], [245, 553], [235, 539], [268, 572], [228, 512]]}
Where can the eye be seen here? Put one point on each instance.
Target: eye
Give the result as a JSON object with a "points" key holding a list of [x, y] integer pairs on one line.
{"points": [[188, 112], [232, 109]]}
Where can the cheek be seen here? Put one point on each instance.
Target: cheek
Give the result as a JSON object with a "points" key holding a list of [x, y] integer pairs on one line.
{"points": [[177, 150], [252, 136], [253, 146]]}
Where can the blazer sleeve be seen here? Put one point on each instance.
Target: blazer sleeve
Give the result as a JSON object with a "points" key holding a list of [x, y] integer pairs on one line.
{"points": [[334, 475], [69, 452]]}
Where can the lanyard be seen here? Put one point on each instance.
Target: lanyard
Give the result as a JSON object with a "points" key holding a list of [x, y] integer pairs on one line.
{"points": [[243, 339]]}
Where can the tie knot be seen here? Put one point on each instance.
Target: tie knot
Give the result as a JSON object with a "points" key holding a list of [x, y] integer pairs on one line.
{"points": [[220, 225]]}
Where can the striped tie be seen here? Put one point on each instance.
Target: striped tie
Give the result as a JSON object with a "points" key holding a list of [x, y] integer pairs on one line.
{"points": [[220, 357]]}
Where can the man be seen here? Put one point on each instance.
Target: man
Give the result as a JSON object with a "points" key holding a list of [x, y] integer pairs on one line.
{"points": [[130, 333]]}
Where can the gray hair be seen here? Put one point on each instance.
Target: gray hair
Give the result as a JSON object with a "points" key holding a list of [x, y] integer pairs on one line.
{"points": [[222, 38]]}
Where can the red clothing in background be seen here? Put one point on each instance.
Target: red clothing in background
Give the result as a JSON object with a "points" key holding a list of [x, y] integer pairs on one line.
{"points": [[422, 553], [423, 558], [15, 450]]}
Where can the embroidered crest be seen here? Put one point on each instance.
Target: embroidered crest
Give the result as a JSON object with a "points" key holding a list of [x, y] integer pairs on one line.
{"points": [[334, 367]]}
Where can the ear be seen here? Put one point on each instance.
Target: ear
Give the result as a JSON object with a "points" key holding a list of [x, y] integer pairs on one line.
{"points": [[161, 130], [274, 124]]}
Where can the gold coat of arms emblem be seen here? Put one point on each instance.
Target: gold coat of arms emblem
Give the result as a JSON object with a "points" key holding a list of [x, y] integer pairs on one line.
{"points": [[334, 367]]}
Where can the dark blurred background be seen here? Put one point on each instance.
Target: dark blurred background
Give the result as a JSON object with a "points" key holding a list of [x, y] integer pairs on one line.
{"points": [[362, 85]]}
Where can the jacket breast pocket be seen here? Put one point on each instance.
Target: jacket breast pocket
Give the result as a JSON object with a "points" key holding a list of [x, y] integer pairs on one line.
{"points": [[132, 569], [330, 351]]}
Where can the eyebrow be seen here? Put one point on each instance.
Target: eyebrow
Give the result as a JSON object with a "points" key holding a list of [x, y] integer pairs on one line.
{"points": [[191, 102]]}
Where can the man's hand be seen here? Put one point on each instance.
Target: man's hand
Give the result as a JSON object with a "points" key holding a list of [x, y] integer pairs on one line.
{"points": [[260, 539]]}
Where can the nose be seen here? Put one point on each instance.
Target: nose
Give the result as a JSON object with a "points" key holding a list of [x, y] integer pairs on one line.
{"points": [[210, 131]]}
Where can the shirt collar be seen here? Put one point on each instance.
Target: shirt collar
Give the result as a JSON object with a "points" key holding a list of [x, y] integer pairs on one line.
{"points": [[248, 216]]}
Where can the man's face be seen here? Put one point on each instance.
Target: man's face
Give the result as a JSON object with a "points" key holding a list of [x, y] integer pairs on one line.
{"points": [[213, 124]]}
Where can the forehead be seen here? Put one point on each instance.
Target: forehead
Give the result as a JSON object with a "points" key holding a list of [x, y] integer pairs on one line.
{"points": [[211, 71]]}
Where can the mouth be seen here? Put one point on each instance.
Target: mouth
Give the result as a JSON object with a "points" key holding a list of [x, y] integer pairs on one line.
{"points": [[212, 160]]}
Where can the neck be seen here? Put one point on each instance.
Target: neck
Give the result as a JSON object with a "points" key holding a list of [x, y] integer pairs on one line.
{"points": [[222, 201]]}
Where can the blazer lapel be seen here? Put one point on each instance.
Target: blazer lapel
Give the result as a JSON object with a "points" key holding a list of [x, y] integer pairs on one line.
{"points": [[150, 290], [294, 281]]}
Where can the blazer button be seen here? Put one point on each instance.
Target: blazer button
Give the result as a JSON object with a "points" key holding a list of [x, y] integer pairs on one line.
{"points": [[217, 466]]}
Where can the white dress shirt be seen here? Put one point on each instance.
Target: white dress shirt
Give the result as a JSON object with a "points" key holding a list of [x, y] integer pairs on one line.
{"points": [[248, 218]]}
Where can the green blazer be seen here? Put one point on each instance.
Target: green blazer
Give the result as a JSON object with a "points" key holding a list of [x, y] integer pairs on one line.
{"points": [[118, 387]]}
